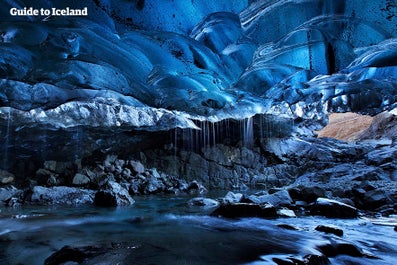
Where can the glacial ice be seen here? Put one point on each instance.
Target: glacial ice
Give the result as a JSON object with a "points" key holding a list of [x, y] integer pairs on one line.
{"points": [[158, 65]]}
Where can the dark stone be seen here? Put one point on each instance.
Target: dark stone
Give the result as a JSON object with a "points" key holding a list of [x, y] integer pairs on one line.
{"points": [[13, 202], [395, 228], [196, 187], [202, 202], [335, 249], [287, 226], [374, 199], [279, 261], [245, 210], [310, 194], [333, 209], [136, 167], [329, 230], [113, 195], [70, 254], [316, 260], [9, 192]]}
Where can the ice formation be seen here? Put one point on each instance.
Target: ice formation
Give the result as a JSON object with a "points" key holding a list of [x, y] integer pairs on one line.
{"points": [[158, 65]]}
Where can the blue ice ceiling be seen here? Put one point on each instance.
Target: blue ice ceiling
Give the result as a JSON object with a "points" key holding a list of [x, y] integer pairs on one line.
{"points": [[156, 64]]}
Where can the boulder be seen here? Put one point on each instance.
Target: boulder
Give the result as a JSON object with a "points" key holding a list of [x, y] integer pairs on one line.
{"points": [[6, 177], [333, 209], [374, 199], [71, 255], [113, 195], [232, 197], [137, 167], [237, 210], [80, 180], [9, 192], [60, 195], [280, 198], [329, 230], [203, 202]]}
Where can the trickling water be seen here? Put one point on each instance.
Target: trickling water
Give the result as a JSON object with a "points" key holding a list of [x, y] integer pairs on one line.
{"points": [[7, 141], [248, 132]]}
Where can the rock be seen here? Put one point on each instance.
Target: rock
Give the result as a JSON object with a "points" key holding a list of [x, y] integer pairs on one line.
{"points": [[284, 212], [203, 202], [333, 209], [287, 226], [13, 202], [382, 156], [280, 198], [395, 228], [6, 177], [308, 194], [113, 195], [236, 210], [196, 187], [70, 255], [374, 199], [340, 248], [153, 183], [9, 192], [137, 167], [329, 230], [60, 195], [80, 180], [312, 259], [231, 198]]}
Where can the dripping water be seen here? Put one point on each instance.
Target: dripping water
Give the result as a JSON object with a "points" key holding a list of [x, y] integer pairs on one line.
{"points": [[7, 141], [248, 132]]}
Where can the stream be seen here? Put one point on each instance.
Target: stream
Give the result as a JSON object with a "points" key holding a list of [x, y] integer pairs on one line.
{"points": [[162, 230]]}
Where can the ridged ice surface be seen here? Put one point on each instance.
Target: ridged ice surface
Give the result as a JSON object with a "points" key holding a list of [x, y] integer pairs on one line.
{"points": [[184, 60]]}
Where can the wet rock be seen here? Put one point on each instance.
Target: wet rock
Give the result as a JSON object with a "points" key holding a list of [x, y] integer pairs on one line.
{"points": [[153, 182], [287, 226], [329, 230], [232, 197], [374, 199], [6, 177], [113, 195], [316, 260], [245, 210], [280, 198], [382, 156], [395, 228], [333, 209], [13, 202], [287, 261], [340, 248], [196, 187], [70, 255], [307, 194], [60, 196], [284, 212], [9, 192], [80, 180], [137, 167], [203, 202]]}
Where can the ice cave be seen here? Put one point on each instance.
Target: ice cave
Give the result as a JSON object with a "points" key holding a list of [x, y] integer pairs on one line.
{"points": [[198, 132]]}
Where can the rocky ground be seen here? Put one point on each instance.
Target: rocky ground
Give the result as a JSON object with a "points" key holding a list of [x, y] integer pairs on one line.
{"points": [[276, 177], [293, 176]]}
